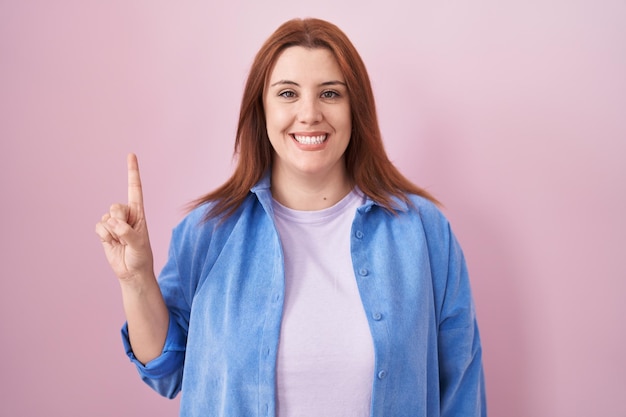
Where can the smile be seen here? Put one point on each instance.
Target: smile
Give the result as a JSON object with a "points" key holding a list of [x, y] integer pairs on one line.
{"points": [[310, 140]]}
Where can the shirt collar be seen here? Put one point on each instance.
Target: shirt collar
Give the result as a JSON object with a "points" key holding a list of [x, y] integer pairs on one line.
{"points": [[263, 184]]}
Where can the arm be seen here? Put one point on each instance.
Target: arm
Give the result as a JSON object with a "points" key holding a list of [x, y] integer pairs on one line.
{"points": [[460, 353]]}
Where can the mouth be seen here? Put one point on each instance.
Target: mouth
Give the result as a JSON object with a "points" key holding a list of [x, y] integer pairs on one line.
{"points": [[310, 139]]}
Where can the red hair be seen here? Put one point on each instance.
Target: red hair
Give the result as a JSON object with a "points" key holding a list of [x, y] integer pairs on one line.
{"points": [[368, 166]]}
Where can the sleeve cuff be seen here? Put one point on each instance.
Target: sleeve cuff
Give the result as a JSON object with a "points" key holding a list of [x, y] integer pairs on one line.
{"points": [[171, 358]]}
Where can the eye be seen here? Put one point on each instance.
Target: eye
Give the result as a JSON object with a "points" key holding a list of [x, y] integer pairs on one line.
{"points": [[287, 94], [330, 94]]}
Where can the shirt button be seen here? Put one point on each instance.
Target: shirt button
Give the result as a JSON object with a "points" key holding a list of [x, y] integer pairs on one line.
{"points": [[382, 374], [377, 316], [363, 272], [359, 234]]}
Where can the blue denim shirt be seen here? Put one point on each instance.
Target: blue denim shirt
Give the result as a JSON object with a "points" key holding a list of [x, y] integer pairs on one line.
{"points": [[224, 286]]}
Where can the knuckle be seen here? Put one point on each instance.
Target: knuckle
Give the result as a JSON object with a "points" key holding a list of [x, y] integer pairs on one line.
{"points": [[118, 211]]}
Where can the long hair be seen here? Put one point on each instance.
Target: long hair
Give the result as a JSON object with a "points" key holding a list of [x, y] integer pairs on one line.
{"points": [[367, 164]]}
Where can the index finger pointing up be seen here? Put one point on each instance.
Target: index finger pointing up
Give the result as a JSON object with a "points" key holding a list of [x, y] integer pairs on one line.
{"points": [[135, 194]]}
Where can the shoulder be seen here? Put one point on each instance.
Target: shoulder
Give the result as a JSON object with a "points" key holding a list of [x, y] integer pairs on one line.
{"points": [[424, 206], [409, 207], [195, 219], [435, 224], [426, 211], [199, 224], [412, 214], [192, 233]]}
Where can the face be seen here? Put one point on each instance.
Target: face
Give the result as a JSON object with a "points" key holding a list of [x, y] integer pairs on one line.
{"points": [[307, 114]]}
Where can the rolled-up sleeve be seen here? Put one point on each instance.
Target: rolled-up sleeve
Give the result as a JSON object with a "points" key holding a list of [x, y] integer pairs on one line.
{"points": [[163, 373]]}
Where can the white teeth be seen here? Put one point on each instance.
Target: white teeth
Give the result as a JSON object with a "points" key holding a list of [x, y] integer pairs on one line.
{"points": [[310, 140]]}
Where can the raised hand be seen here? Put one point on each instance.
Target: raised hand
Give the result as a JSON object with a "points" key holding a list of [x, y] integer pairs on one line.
{"points": [[124, 233]]}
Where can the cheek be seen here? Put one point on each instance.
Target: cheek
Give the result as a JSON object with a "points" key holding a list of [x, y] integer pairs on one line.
{"points": [[345, 115], [274, 127], [275, 119], [344, 120]]}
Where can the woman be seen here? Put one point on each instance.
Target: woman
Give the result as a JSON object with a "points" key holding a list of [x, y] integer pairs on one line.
{"points": [[317, 281]]}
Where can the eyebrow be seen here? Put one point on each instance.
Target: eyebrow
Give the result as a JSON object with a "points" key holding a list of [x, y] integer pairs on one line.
{"points": [[324, 84]]}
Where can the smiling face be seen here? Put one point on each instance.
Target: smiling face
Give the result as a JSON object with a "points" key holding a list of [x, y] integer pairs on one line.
{"points": [[308, 118]]}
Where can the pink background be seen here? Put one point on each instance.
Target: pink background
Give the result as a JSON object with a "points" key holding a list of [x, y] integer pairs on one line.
{"points": [[512, 113]]}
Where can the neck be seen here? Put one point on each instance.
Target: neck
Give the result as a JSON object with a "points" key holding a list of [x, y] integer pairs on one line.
{"points": [[308, 194]]}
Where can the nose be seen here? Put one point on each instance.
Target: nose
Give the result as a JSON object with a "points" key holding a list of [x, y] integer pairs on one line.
{"points": [[309, 110]]}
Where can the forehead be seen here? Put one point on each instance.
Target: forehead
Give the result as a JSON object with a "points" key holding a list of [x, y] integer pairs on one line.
{"points": [[300, 63]]}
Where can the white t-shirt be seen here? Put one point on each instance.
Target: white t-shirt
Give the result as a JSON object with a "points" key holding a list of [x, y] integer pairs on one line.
{"points": [[325, 363]]}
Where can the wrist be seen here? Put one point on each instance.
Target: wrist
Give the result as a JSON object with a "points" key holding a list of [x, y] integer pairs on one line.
{"points": [[139, 283]]}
